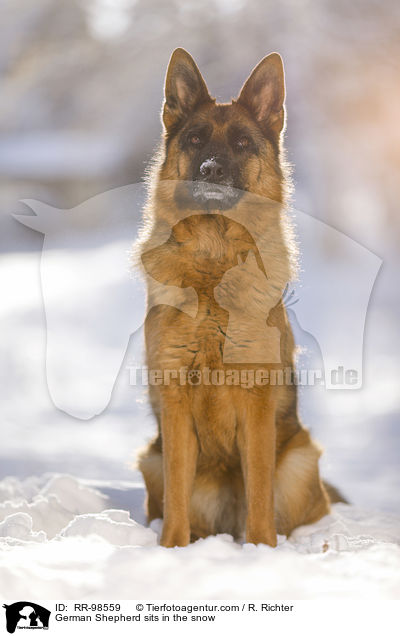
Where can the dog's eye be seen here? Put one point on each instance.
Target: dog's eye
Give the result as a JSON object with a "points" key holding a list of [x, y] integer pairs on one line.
{"points": [[243, 143], [195, 140]]}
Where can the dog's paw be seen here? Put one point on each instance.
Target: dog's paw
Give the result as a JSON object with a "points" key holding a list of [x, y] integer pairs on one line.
{"points": [[174, 537]]}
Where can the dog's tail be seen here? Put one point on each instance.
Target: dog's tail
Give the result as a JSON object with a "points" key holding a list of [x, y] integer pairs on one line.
{"points": [[335, 496]]}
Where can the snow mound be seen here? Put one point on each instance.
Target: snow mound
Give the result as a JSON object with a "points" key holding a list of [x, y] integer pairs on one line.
{"points": [[115, 526], [19, 526], [54, 528], [52, 506]]}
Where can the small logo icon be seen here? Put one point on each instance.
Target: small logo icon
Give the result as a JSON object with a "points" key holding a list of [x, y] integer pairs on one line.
{"points": [[194, 376], [26, 615]]}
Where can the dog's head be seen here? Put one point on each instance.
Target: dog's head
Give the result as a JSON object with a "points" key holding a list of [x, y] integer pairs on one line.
{"points": [[220, 151]]}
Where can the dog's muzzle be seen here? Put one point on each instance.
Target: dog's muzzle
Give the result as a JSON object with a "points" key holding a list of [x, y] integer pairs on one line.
{"points": [[215, 195]]}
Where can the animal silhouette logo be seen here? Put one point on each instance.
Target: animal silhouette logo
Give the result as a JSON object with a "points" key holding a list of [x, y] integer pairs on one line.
{"points": [[26, 615], [93, 303], [247, 294]]}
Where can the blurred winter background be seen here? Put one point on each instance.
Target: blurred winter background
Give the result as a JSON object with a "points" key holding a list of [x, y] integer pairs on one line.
{"points": [[81, 90]]}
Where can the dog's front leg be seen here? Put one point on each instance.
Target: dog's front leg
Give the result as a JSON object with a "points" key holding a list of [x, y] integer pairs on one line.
{"points": [[180, 450], [256, 441]]}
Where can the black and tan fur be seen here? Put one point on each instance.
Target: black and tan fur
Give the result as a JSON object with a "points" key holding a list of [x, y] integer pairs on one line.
{"points": [[226, 458]]}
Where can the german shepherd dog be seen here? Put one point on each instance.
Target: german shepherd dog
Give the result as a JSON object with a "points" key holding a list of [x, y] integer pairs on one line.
{"points": [[217, 251]]}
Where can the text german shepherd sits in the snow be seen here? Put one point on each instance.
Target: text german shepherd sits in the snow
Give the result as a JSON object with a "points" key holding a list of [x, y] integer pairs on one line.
{"points": [[229, 456]]}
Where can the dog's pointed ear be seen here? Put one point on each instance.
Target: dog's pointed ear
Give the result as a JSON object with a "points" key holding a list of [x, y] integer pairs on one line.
{"points": [[185, 89], [263, 93]]}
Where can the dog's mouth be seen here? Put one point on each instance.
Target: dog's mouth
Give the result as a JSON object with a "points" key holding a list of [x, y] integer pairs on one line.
{"points": [[215, 196]]}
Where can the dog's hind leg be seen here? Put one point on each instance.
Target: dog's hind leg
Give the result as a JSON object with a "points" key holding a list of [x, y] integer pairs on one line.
{"points": [[150, 463], [218, 504], [300, 496]]}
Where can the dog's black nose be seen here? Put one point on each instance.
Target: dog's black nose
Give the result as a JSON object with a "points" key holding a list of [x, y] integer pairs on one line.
{"points": [[212, 170]]}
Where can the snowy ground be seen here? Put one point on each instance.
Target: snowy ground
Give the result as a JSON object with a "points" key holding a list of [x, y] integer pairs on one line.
{"points": [[83, 535], [62, 539]]}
